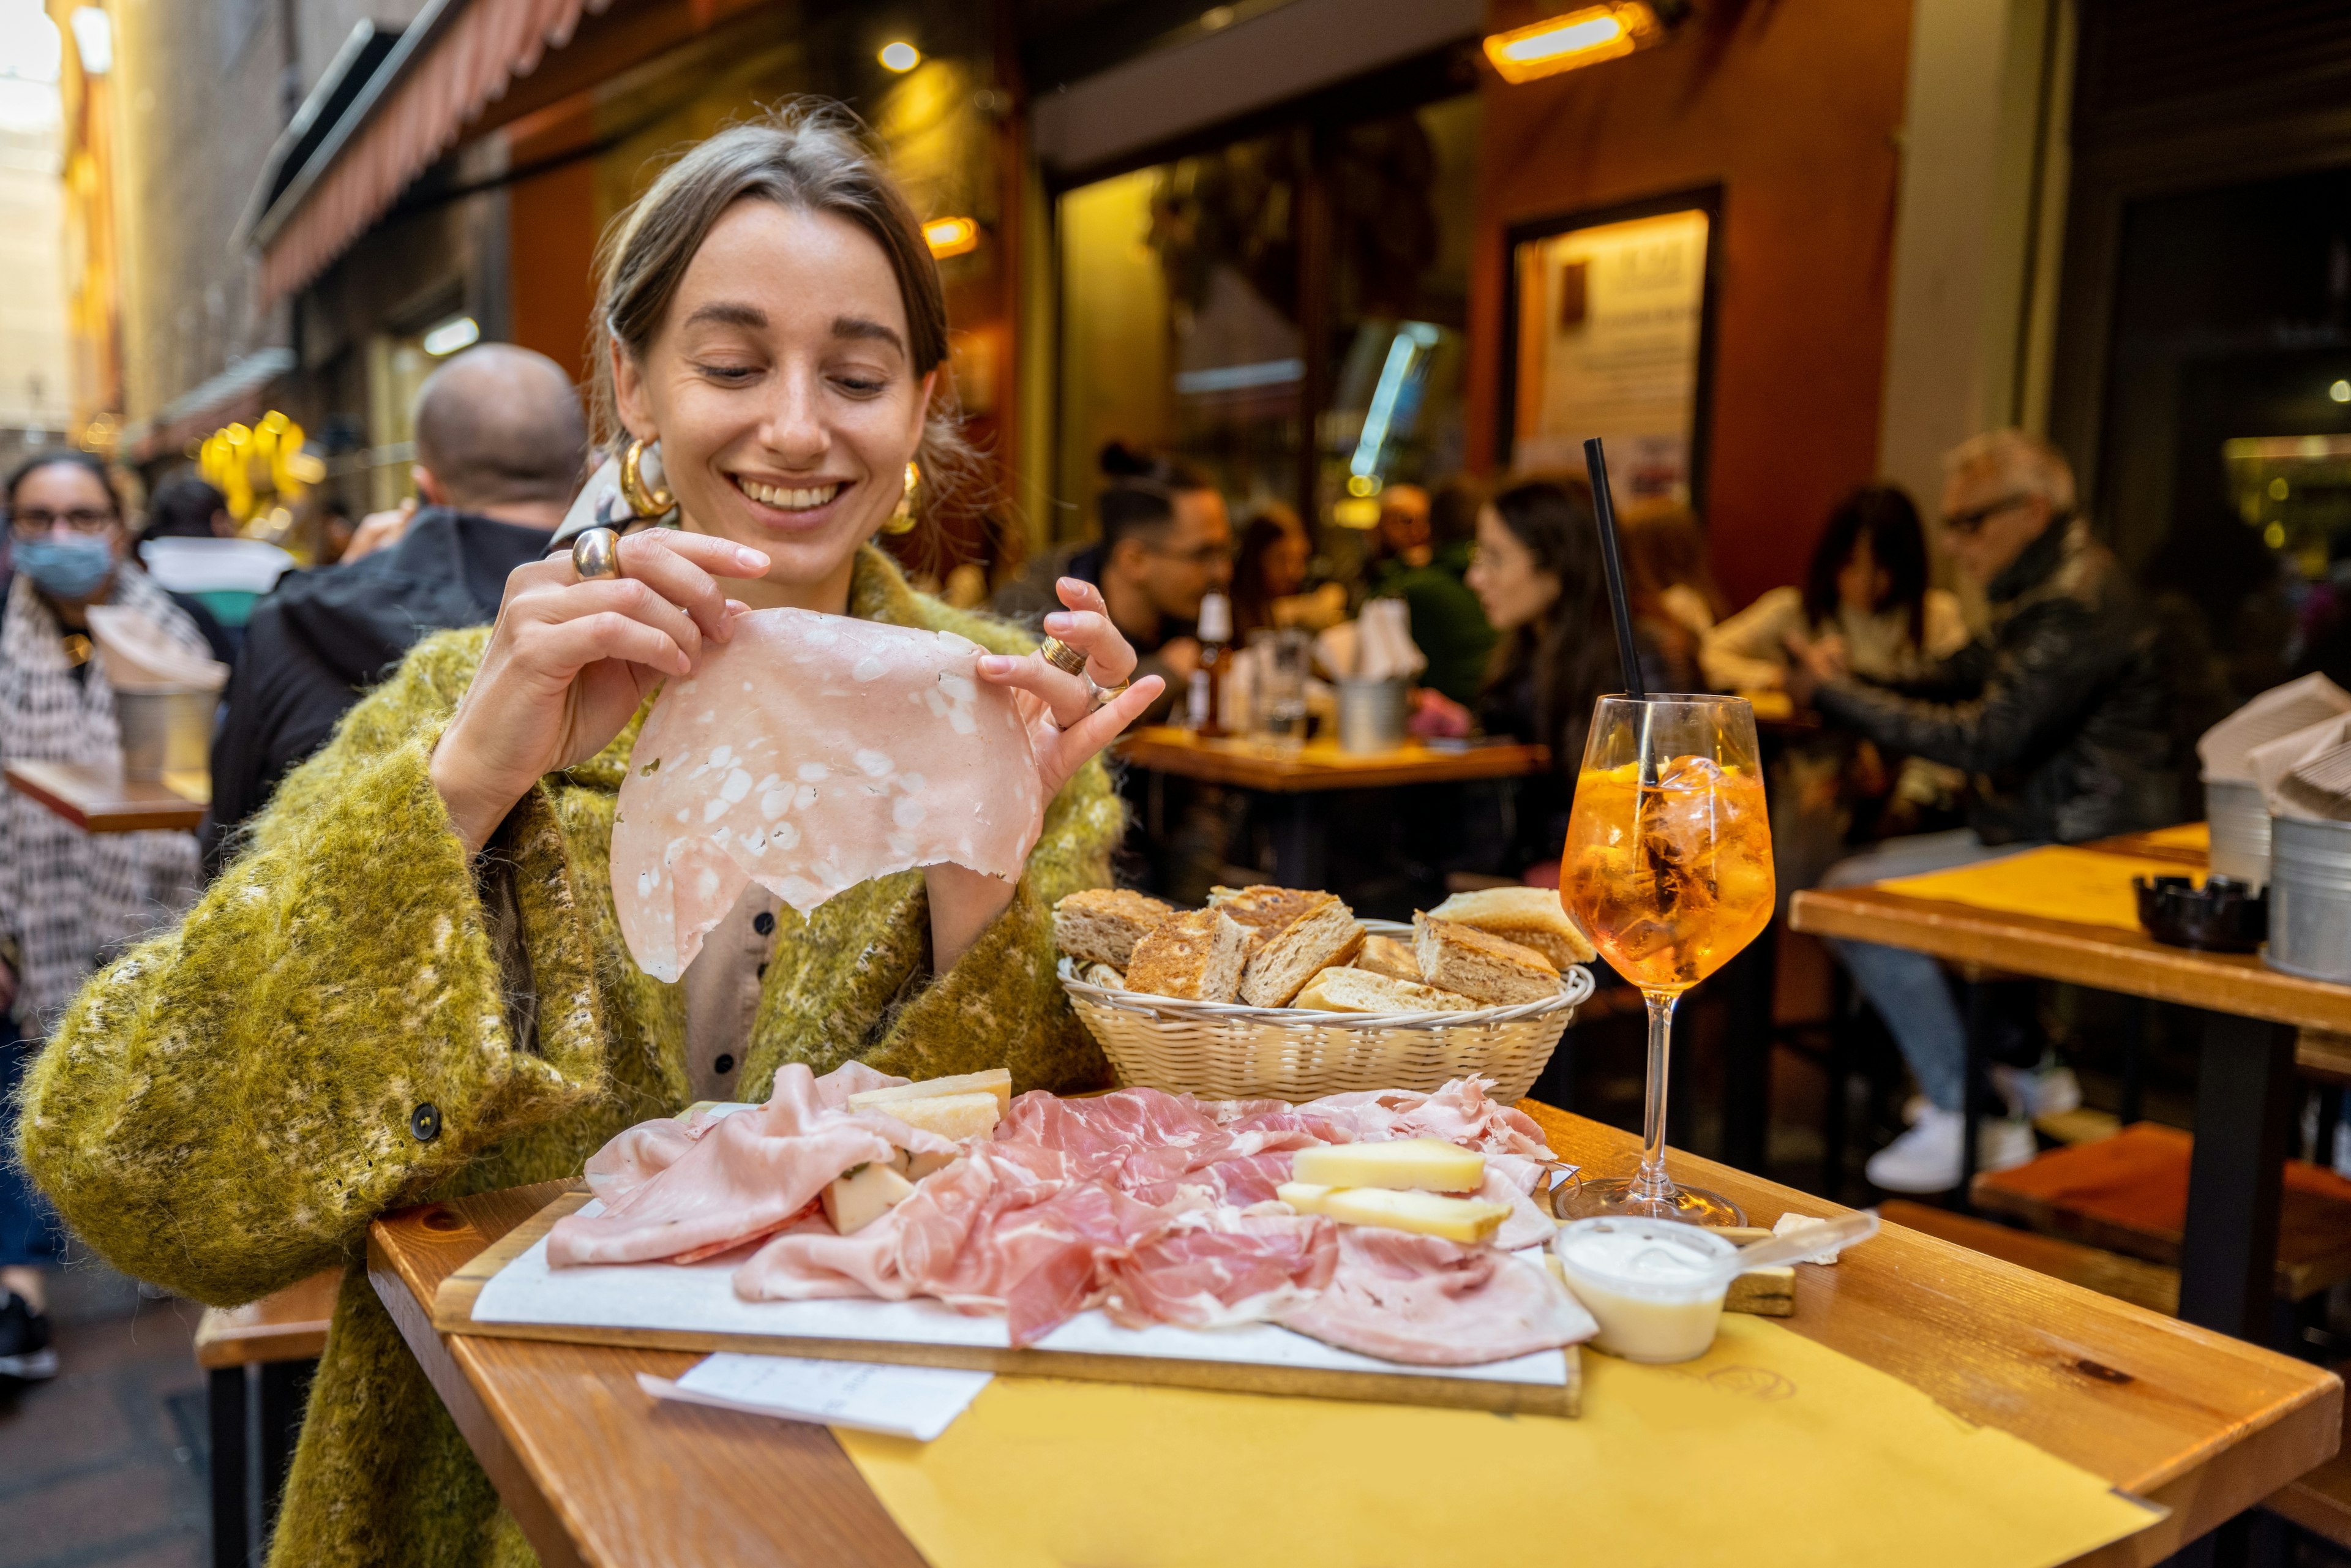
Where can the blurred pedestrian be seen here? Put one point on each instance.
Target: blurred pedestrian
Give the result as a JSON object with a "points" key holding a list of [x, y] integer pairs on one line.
{"points": [[501, 441], [186, 508], [68, 899], [2058, 712], [1430, 574]]}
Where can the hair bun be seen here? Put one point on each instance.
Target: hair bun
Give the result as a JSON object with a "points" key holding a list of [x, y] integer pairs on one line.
{"points": [[1120, 461]]}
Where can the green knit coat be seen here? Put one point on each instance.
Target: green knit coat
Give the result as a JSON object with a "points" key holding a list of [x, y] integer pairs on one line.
{"points": [[225, 1108]]}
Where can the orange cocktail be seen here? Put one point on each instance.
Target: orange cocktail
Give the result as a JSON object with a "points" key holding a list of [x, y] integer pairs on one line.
{"points": [[1671, 878]]}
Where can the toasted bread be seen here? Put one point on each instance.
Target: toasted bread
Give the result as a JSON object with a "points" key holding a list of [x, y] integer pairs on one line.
{"points": [[1324, 934], [1102, 925], [1387, 956], [1496, 971], [1102, 975], [1531, 917], [1362, 991], [1262, 911], [1193, 957]]}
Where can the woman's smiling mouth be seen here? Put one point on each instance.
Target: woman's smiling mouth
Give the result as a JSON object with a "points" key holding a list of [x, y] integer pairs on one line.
{"points": [[788, 497]]}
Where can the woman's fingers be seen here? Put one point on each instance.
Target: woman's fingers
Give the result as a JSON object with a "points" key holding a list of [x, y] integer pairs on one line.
{"points": [[627, 597], [575, 644], [684, 568], [1110, 658], [1080, 741], [1065, 696]]}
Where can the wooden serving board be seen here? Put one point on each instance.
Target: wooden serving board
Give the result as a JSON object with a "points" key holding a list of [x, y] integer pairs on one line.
{"points": [[452, 1313]]}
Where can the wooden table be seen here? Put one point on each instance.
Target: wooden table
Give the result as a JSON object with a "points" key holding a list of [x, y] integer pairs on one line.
{"points": [[100, 800], [1293, 774], [598, 1472], [2244, 1089]]}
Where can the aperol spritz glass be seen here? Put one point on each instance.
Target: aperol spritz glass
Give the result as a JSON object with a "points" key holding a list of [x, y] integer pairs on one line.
{"points": [[1667, 871]]}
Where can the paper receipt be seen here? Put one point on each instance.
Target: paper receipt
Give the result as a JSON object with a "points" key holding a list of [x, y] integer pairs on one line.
{"points": [[917, 1402]]}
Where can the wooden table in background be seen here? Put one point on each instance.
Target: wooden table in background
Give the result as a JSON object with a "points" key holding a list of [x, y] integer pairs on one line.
{"points": [[2244, 1086], [597, 1472], [100, 800], [1293, 775]]}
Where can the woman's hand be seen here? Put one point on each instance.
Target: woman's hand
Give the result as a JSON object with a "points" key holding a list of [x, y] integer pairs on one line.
{"points": [[1811, 663], [1065, 731], [1436, 716], [569, 661]]}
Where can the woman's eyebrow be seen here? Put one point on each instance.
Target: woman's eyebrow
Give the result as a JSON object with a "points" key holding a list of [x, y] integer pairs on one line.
{"points": [[727, 313], [865, 327]]}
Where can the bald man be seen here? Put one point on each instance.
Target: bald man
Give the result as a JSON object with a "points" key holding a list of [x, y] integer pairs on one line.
{"points": [[501, 447]]}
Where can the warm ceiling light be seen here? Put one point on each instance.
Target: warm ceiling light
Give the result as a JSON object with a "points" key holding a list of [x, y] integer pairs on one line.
{"points": [[455, 333], [950, 236], [900, 56], [1581, 37]]}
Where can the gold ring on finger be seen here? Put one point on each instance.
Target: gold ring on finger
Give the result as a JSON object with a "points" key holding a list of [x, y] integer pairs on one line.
{"points": [[1063, 658], [596, 554]]}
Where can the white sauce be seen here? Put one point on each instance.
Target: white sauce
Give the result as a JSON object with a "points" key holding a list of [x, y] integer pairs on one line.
{"points": [[1645, 1282]]}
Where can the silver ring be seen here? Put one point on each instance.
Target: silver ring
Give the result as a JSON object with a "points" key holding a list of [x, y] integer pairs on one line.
{"points": [[595, 554], [1063, 658], [1103, 696]]}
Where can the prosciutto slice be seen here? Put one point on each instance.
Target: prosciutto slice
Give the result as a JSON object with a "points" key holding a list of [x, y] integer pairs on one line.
{"points": [[1434, 1303], [642, 1152], [810, 754]]}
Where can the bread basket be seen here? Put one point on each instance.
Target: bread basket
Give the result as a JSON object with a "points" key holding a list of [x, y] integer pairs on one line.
{"points": [[1220, 1050]]}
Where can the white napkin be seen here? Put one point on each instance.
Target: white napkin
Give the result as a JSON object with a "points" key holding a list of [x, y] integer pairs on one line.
{"points": [[1388, 651], [138, 657], [2226, 748], [917, 1402], [2307, 774]]}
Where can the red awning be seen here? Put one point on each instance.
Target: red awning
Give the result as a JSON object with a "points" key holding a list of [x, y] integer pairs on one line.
{"points": [[455, 60]]}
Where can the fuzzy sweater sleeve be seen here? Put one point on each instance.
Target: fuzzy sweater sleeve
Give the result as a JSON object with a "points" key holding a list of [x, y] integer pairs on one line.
{"points": [[324, 1037]]}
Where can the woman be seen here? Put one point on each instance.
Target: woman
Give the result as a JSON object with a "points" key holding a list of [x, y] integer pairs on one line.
{"points": [[1866, 586], [65, 896], [1671, 584], [1269, 577], [411, 986]]}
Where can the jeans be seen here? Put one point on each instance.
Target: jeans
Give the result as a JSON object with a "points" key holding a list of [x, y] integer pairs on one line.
{"points": [[29, 1232], [1909, 990]]}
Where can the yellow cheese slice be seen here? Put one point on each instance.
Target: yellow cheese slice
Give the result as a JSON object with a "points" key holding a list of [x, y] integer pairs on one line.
{"points": [[996, 1081], [857, 1199], [1468, 1220], [956, 1116], [1429, 1164]]}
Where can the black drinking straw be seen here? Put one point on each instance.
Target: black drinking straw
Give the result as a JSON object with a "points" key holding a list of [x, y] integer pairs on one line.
{"points": [[1603, 514]]}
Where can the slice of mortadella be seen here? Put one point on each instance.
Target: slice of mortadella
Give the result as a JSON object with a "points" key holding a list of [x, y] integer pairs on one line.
{"points": [[810, 754]]}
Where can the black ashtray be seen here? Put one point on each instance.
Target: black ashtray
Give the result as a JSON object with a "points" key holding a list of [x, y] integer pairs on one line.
{"points": [[2224, 915]]}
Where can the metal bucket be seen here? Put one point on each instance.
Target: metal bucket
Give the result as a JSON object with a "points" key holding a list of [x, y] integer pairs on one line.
{"points": [[2310, 899], [2241, 832], [1372, 714], [165, 729]]}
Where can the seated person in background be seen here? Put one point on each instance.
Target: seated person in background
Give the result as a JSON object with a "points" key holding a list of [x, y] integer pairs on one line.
{"points": [[1269, 577], [2059, 715], [1165, 543], [501, 441], [1866, 587], [1429, 545], [185, 507], [1671, 584]]}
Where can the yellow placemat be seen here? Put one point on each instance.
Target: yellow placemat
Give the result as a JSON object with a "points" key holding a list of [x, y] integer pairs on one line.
{"points": [[1770, 1448], [2185, 836], [2059, 882]]}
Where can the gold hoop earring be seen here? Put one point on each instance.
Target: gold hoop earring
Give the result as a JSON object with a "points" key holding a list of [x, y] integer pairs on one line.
{"points": [[643, 502], [903, 520]]}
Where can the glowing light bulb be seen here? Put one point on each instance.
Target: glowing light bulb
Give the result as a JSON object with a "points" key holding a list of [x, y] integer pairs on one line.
{"points": [[2340, 392], [900, 56]]}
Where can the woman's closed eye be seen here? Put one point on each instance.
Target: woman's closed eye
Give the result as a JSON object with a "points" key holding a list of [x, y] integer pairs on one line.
{"points": [[729, 374]]}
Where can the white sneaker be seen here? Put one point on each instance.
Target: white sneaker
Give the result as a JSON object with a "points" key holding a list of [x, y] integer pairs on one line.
{"points": [[1926, 1159], [2033, 1093]]}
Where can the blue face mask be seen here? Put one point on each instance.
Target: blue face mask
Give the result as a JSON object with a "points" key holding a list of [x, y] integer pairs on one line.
{"points": [[66, 568]]}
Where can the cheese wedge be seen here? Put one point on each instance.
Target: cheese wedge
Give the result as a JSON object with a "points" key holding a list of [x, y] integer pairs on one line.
{"points": [[1468, 1220], [858, 1198], [1428, 1164], [914, 1166], [956, 1116], [996, 1081]]}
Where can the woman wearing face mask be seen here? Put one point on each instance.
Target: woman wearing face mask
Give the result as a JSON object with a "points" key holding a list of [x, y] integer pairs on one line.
{"points": [[65, 896], [410, 982]]}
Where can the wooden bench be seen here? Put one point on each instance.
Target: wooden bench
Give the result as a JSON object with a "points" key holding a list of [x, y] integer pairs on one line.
{"points": [[257, 1361], [2128, 1194], [2321, 1501], [2149, 1285]]}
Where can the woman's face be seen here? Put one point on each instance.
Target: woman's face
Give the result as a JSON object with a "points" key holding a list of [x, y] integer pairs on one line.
{"points": [[1862, 584], [780, 388], [1285, 564], [1505, 578], [63, 500]]}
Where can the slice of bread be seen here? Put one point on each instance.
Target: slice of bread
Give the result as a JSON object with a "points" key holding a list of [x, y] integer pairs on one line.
{"points": [[1263, 910], [1361, 991], [1327, 934], [1496, 971], [1102, 925], [1531, 917], [1195, 957], [1102, 975], [1387, 956]]}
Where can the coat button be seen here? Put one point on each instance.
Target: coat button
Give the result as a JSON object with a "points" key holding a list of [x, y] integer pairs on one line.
{"points": [[725, 1064], [764, 924], [425, 1122]]}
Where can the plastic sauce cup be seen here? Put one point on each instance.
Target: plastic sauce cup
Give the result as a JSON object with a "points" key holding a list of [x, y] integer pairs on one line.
{"points": [[1655, 1287]]}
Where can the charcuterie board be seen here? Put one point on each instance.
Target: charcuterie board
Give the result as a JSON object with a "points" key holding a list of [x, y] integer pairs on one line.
{"points": [[509, 1292]]}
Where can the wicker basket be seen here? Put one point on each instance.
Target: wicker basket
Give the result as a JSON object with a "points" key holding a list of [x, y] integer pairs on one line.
{"points": [[1222, 1051]]}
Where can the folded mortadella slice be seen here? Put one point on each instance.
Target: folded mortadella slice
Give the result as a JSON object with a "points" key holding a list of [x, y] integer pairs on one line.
{"points": [[810, 754]]}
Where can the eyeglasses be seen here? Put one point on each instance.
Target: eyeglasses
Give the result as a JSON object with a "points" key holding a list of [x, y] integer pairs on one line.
{"points": [[32, 522], [1969, 523]]}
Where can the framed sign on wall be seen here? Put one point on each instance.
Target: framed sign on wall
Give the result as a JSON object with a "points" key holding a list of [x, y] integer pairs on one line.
{"points": [[1611, 316]]}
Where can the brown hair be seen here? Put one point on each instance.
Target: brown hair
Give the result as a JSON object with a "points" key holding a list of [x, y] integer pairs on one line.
{"points": [[810, 155]]}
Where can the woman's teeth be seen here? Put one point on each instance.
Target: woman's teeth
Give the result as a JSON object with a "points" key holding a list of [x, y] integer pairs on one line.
{"points": [[787, 499]]}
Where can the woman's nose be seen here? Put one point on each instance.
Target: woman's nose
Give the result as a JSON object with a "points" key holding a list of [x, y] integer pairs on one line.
{"points": [[794, 429]]}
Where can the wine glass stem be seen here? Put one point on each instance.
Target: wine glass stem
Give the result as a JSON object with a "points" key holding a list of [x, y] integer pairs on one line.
{"points": [[1653, 1183]]}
